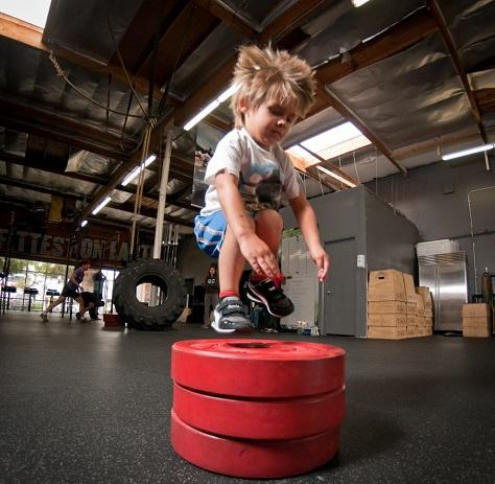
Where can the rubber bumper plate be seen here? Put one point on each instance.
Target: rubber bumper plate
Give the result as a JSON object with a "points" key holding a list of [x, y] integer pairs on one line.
{"points": [[272, 419], [252, 458], [258, 368]]}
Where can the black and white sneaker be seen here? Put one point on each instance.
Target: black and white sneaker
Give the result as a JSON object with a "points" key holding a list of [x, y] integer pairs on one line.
{"points": [[44, 317], [267, 293], [230, 317]]}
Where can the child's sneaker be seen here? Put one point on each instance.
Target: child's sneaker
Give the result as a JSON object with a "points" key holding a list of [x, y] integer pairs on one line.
{"points": [[44, 317], [230, 317], [267, 293]]}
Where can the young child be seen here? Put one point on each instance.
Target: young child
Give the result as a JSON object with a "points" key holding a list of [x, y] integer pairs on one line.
{"points": [[247, 175], [71, 289]]}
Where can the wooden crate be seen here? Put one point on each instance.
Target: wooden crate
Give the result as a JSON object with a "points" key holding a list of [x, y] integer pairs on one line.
{"points": [[412, 331], [409, 288], [387, 320], [475, 332], [386, 285], [412, 320], [476, 310], [387, 307], [420, 308], [384, 332], [426, 295], [479, 322], [411, 307]]}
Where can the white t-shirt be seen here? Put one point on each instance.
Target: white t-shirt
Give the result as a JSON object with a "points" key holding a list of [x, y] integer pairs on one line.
{"points": [[263, 175]]}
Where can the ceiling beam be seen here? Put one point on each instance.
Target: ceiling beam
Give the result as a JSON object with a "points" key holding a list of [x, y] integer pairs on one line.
{"points": [[148, 212], [32, 36], [229, 17], [439, 18], [486, 100], [42, 122], [37, 188], [401, 36], [347, 113], [40, 164], [290, 20]]}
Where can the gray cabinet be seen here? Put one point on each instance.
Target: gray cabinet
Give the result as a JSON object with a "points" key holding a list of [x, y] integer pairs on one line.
{"points": [[446, 276]]}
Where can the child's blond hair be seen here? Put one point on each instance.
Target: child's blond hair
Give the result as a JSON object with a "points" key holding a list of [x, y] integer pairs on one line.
{"points": [[266, 74]]}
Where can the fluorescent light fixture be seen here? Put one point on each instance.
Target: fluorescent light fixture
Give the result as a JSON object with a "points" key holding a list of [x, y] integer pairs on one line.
{"points": [[336, 141], [34, 12], [101, 205], [470, 151], [358, 3], [211, 107], [337, 177], [134, 173], [84, 223]]}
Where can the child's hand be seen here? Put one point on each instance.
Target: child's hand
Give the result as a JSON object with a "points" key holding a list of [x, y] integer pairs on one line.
{"points": [[322, 261], [259, 256]]}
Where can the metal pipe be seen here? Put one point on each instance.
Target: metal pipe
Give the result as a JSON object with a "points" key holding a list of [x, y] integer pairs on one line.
{"points": [[487, 161], [157, 248], [472, 234]]}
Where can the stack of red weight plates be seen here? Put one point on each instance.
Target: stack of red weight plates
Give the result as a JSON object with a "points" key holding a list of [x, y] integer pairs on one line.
{"points": [[257, 409]]}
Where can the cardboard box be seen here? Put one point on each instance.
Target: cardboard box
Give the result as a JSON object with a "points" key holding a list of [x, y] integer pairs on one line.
{"points": [[428, 322], [420, 307], [411, 307], [390, 332], [387, 285], [481, 322], [427, 331], [426, 295], [412, 331], [387, 307], [409, 288], [476, 310], [474, 332], [411, 320], [387, 320]]}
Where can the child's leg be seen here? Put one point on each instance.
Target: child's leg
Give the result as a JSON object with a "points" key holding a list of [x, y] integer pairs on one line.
{"points": [[269, 226], [230, 264]]}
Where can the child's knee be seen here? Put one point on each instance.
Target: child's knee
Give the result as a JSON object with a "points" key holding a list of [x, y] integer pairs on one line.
{"points": [[269, 220]]}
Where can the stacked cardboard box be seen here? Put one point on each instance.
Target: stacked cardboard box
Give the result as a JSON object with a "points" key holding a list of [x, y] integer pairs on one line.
{"points": [[411, 306], [476, 320], [428, 305], [387, 305]]}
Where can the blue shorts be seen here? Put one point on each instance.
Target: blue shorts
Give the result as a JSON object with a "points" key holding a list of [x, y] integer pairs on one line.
{"points": [[210, 232]]}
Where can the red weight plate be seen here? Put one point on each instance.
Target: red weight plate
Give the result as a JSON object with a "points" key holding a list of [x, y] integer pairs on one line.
{"points": [[258, 368], [253, 459], [268, 419]]}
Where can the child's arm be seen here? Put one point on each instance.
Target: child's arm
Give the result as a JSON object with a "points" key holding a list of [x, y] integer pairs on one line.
{"points": [[256, 252], [306, 219]]}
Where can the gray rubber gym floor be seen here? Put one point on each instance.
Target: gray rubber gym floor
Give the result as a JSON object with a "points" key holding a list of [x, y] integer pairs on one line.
{"points": [[81, 404]]}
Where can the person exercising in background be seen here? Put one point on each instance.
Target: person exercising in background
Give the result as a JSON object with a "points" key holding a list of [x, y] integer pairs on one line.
{"points": [[212, 286], [71, 289]]}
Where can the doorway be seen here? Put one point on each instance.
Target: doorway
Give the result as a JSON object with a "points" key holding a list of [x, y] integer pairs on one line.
{"points": [[339, 298]]}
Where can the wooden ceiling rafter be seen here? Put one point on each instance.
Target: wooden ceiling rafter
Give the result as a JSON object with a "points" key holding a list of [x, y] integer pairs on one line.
{"points": [[147, 212], [41, 122], [229, 17], [448, 40], [31, 36], [348, 114]]}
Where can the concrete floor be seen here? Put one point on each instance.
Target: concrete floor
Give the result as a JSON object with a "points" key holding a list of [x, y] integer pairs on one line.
{"points": [[80, 404]]}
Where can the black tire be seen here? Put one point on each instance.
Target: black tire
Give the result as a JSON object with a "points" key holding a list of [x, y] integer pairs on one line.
{"points": [[142, 316]]}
